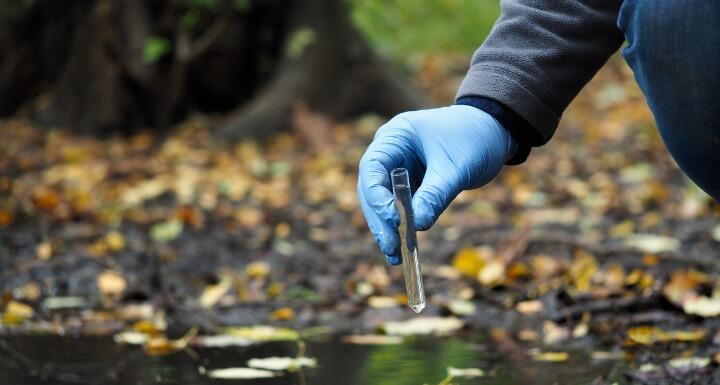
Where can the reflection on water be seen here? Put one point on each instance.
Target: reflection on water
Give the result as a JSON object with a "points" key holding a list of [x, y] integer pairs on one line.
{"points": [[98, 360]]}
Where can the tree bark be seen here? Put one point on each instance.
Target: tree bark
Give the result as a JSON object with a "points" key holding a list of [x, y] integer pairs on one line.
{"points": [[82, 65]]}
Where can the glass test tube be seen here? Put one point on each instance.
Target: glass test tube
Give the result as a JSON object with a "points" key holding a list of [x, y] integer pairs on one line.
{"points": [[408, 242]]}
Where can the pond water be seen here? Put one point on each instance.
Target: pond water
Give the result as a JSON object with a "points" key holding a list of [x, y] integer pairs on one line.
{"points": [[98, 360]]}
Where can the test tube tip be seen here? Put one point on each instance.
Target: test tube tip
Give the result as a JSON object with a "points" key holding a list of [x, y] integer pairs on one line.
{"points": [[418, 308]]}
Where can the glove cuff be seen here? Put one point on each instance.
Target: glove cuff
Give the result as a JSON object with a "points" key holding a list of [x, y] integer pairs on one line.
{"points": [[521, 131]]}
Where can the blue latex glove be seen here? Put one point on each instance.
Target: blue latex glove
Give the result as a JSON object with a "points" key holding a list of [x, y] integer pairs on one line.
{"points": [[446, 150]]}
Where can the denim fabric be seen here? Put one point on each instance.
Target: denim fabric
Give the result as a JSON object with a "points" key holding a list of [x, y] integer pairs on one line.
{"points": [[674, 51]]}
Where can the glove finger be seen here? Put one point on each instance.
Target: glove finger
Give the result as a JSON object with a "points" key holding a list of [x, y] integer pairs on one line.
{"points": [[433, 197], [385, 236], [377, 203]]}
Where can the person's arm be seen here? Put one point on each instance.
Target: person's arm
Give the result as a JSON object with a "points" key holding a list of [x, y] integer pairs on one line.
{"points": [[538, 56], [536, 59]]}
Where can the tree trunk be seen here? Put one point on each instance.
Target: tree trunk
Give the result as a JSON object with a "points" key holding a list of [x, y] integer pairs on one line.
{"points": [[90, 65]]}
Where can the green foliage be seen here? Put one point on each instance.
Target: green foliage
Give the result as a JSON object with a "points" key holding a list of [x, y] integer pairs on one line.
{"points": [[155, 48], [189, 19], [405, 30], [207, 4], [299, 41]]}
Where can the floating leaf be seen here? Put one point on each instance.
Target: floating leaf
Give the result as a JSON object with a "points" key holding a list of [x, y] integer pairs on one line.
{"points": [[372, 339], [465, 372], [423, 326], [263, 333], [282, 363], [221, 341], [131, 337], [239, 373]]}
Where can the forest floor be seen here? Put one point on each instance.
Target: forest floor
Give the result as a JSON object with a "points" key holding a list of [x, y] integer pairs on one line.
{"points": [[597, 241]]}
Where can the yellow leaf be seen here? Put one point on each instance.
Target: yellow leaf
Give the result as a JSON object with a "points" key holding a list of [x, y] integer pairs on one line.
{"points": [[582, 271], [377, 301], [257, 270], [111, 283], [469, 261], [213, 293], [529, 307], [43, 251], [648, 335], [16, 313], [263, 333], [551, 356], [282, 314], [115, 241], [493, 273]]}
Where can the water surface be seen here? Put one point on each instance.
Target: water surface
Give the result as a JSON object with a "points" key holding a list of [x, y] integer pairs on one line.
{"points": [[98, 360]]}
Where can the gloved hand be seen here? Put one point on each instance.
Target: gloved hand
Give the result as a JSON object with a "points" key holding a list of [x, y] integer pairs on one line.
{"points": [[446, 150]]}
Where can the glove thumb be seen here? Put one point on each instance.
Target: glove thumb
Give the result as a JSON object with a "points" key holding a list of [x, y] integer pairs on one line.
{"points": [[433, 197]]}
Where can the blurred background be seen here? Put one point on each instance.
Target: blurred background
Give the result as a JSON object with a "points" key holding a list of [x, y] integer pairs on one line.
{"points": [[177, 204]]}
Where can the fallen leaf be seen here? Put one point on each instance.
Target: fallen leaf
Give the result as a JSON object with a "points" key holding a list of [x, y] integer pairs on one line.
{"points": [[282, 363], [423, 326], [493, 273], [648, 335], [111, 283], [282, 314], [470, 260], [582, 270], [43, 251], [651, 243], [238, 373], [380, 302], [689, 362], [166, 231], [131, 337], [461, 307], [56, 303], [529, 307], [16, 313], [716, 233], [257, 270], [551, 356], [702, 306], [115, 241], [212, 294], [554, 333]]}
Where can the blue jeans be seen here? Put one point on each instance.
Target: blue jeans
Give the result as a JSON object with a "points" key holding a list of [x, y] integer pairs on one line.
{"points": [[674, 51]]}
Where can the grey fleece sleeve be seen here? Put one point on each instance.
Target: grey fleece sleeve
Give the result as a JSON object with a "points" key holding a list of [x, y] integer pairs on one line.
{"points": [[538, 56]]}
